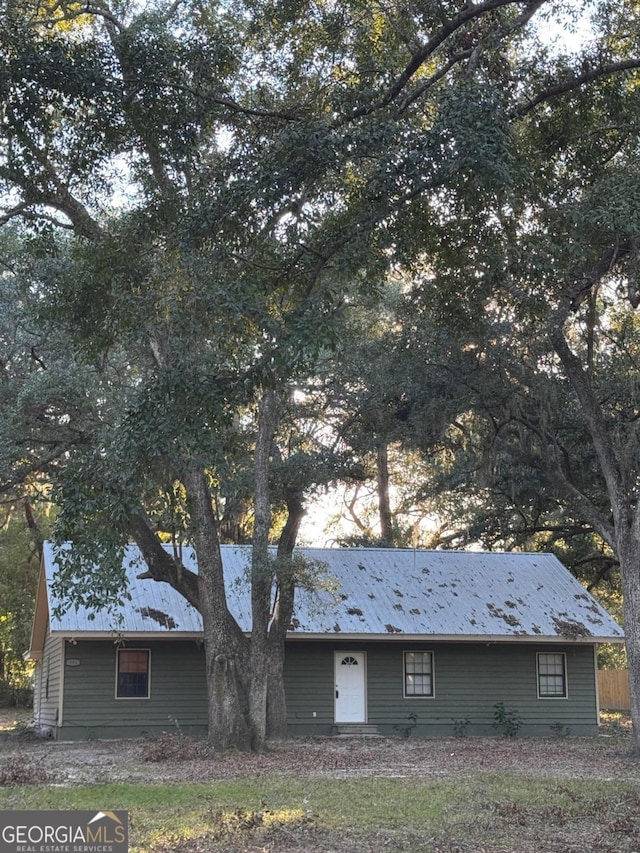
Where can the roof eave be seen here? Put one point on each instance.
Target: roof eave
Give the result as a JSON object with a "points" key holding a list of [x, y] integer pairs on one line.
{"points": [[77, 636], [32, 655], [40, 619], [454, 638]]}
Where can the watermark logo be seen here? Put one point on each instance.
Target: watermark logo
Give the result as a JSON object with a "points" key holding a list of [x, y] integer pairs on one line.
{"points": [[64, 832]]}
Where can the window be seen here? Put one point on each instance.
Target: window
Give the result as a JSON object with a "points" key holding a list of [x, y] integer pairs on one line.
{"points": [[552, 676], [418, 674], [133, 674]]}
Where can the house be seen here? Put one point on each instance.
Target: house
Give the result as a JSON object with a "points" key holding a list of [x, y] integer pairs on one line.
{"points": [[392, 640]]}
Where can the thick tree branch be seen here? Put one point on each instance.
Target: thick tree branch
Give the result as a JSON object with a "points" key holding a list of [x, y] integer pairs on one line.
{"points": [[603, 444], [81, 221], [550, 469], [14, 212], [161, 566], [84, 224], [570, 84], [470, 12], [582, 505], [57, 194], [76, 11], [463, 55], [268, 417]]}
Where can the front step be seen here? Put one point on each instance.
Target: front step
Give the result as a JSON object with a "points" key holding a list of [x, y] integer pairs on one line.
{"points": [[355, 730]]}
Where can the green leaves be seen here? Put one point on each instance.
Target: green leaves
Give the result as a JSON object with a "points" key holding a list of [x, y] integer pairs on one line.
{"points": [[26, 519], [239, 181]]}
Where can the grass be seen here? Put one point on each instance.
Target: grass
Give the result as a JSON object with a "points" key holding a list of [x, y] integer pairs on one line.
{"points": [[615, 722], [503, 811], [12, 719]]}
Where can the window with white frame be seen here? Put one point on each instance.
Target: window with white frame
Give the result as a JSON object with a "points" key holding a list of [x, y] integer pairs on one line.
{"points": [[132, 681], [552, 675], [418, 674]]}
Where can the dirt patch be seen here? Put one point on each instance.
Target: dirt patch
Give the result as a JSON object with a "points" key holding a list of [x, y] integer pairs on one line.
{"points": [[569, 819], [177, 758]]}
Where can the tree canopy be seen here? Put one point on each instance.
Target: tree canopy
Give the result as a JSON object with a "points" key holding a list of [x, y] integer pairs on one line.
{"points": [[203, 206]]}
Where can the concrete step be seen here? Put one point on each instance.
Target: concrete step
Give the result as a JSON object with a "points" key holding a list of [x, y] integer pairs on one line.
{"points": [[355, 730]]}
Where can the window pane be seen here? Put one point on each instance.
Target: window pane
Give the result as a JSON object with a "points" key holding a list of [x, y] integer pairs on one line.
{"points": [[133, 674], [133, 661], [551, 675], [552, 685], [551, 664], [418, 678]]}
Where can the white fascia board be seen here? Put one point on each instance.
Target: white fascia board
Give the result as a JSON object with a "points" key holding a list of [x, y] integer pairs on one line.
{"points": [[454, 638], [78, 636], [344, 636]]}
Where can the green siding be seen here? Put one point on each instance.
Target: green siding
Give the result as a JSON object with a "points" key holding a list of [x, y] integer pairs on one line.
{"points": [[309, 686], [469, 680], [177, 688], [47, 686]]}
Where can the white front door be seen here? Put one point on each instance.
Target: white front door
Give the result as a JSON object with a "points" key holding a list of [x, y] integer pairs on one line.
{"points": [[350, 687]]}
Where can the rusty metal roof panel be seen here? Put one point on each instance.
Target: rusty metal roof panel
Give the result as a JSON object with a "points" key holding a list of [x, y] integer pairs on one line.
{"points": [[453, 594], [151, 607], [364, 592]]}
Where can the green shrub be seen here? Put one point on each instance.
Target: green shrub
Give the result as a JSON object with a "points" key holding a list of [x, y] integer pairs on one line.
{"points": [[507, 721]]}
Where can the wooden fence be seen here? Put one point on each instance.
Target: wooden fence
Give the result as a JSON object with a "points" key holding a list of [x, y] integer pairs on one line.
{"points": [[613, 685]]}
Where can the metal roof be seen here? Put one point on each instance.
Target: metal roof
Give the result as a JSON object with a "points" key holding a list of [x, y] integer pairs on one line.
{"points": [[152, 607], [364, 593]]}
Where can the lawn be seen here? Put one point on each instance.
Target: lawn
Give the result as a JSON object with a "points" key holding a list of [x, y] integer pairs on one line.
{"points": [[477, 813], [466, 795]]}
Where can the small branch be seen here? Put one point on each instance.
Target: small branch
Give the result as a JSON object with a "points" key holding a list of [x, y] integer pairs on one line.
{"points": [[13, 212], [37, 358], [255, 111], [440, 73], [352, 512]]}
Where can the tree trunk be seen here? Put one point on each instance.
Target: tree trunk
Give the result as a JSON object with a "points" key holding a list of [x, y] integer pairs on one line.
{"points": [[628, 553], [233, 524], [384, 503], [261, 570], [276, 694], [226, 647], [226, 660], [624, 535], [259, 655], [245, 684], [281, 617]]}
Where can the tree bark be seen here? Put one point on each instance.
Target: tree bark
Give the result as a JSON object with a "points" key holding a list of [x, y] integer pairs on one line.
{"points": [[384, 503], [628, 553], [233, 524], [624, 534], [261, 570], [226, 647], [281, 617], [161, 566]]}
